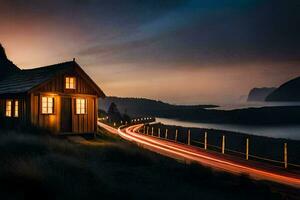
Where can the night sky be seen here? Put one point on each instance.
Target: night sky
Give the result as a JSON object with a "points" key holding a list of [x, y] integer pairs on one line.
{"points": [[192, 51]]}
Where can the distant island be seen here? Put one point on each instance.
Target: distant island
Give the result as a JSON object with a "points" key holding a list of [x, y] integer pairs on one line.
{"points": [[260, 94], [143, 106], [287, 92], [136, 107]]}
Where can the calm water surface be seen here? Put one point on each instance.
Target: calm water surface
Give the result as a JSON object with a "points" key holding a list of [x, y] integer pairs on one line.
{"points": [[288, 132], [254, 104]]}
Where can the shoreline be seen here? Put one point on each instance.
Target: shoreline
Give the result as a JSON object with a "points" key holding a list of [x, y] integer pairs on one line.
{"points": [[278, 131], [267, 147]]}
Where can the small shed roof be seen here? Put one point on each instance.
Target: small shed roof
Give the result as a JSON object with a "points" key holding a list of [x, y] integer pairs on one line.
{"points": [[25, 80]]}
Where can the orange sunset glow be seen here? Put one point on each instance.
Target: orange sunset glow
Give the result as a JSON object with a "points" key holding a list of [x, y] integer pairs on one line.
{"points": [[124, 59]]}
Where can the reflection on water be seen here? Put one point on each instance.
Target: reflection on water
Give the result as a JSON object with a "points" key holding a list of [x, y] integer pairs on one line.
{"points": [[254, 104], [288, 132]]}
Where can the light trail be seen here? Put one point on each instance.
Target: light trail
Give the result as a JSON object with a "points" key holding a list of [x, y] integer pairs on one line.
{"points": [[219, 162]]}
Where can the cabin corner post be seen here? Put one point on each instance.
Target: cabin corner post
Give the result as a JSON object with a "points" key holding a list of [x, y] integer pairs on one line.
{"points": [[96, 114]]}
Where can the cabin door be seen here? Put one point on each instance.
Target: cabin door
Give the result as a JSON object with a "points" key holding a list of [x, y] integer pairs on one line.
{"points": [[66, 114]]}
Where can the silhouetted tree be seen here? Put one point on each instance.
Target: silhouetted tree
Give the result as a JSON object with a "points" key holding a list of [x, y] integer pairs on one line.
{"points": [[101, 113], [114, 113], [126, 118]]}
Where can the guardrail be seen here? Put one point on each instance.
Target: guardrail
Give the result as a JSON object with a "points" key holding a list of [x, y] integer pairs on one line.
{"points": [[118, 123], [165, 135]]}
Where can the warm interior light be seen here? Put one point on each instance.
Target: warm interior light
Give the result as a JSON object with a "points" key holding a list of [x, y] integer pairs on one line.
{"points": [[8, 108], [80, 106], [70, 82], [16, 114], [47, 105]]}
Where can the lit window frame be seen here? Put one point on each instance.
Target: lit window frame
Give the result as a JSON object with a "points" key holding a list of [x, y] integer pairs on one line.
{"points": [[70, 82], [81, 106], [47, 105], [16, 111], [8, 108]]}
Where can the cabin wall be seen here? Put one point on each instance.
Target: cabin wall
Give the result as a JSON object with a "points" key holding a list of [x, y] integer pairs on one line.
{"points": [[80, 123], [47, 121], [13, 121], [84, 123], [58, 85], [64, 119]]}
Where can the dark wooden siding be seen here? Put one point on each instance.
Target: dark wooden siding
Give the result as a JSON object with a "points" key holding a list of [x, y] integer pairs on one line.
{"points": [[30, 110], [84, 122], [47, 121], [66, 114], [13, 121], [78, 123], [58, 85]]}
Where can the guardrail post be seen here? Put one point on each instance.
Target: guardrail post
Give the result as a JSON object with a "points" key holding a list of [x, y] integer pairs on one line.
{"points": [[159, 132], [247, 149], [205, 140], [176, 135], [152, 131], [223, 144], [189, 137], [144, 129], [166, 135], [147, 130], [285, 156]]}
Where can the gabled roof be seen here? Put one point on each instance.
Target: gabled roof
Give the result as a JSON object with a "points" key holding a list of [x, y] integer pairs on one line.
{"points": [[24, 81]]}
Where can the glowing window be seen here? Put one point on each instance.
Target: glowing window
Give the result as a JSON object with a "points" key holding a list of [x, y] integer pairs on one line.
{"points": [[70, 82], [80, 106], [16, 114], [47, 105], [8, 108]]}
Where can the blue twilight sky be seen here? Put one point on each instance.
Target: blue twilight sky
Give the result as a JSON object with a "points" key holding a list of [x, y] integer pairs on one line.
{"points": [[180, 51]]}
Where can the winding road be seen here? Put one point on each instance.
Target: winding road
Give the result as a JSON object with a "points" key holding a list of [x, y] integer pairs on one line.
{"points": [[218, 161]]}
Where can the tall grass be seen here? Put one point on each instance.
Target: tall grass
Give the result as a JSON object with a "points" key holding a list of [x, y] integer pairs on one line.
{"points": [[41, 166]]}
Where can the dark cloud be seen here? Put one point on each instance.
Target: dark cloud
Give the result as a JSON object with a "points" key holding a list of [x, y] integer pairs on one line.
{"points": [[212, 32], [203, 35]]}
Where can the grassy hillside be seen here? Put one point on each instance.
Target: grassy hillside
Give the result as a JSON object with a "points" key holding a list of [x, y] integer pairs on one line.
{"points": [[283, 115], [40, 166], [141, 106]]}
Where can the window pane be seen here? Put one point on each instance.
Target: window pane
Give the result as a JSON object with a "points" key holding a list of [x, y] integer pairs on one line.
{"points": [[44, 99], [44, 110], [70, 82], [80, 106], [47, 105], [16, 109], [8, 108]]}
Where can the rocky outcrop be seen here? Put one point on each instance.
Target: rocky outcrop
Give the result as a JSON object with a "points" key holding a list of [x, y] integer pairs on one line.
{"points": [[6, 66], [259, 94], [287, 92]]}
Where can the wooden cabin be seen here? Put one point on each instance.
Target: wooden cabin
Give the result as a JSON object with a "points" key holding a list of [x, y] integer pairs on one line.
{"points": [[61, 98]]}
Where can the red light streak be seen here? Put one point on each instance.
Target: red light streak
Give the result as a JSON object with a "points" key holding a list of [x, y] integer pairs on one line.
{"points": [[180, 151]]}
